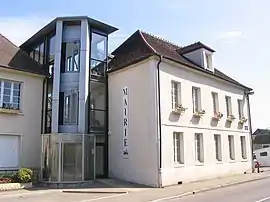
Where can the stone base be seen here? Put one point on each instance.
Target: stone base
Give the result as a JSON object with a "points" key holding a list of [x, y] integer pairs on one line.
{"points": [[15, 186]]}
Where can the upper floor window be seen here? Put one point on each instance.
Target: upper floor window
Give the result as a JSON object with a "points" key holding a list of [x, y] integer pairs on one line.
{"points": [[71, 107], [72, 57], [208, 58], [215, 102], [228, 105], [240, 108], [10, 93], [176, 94], [98, 47], [196, 99]]}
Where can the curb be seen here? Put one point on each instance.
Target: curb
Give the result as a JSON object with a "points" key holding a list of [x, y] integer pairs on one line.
{"points": [[95, 192], [210, 189]]}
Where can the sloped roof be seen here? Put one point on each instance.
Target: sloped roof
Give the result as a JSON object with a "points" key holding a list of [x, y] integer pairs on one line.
{"points": [[262, 132], [194, 46], [13, 57], [141, 45]]}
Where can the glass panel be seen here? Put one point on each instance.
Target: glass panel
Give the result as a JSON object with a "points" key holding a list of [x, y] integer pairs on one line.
{"points": [[89, 157], [54, 158], [41, 57], [51, 49], [72, 57], [97, 121], [98, 68], [37, 54], [71, 108], [72, 161], [99, 47], [100, 160], [98, 95]]}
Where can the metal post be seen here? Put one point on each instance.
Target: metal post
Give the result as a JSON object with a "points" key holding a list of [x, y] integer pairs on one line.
{"points": [[250, 129]]}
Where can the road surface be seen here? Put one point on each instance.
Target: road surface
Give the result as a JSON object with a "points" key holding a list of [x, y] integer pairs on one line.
{"points": [[257, 191]]}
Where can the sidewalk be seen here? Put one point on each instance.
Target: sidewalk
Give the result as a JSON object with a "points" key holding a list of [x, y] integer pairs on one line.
{"points": [[155, 195]]}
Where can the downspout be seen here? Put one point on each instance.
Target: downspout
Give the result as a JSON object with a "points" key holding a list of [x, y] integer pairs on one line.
{"points": [[159, 125], [250, 128]]}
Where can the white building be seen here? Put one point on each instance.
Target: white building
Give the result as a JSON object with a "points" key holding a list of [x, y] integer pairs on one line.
{"points": [[153, 116], [21, 86], [201, 130]]}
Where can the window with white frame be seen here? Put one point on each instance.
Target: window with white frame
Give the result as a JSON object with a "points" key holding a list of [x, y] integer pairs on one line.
{"points": [[215, 102], [217, 139], [243, 147], [196, 99], [71, 107], [240, 108], [228, 105], [231, 147], [10, 92], [178, 148], [208, 59], [199, 150], [176, 94]]}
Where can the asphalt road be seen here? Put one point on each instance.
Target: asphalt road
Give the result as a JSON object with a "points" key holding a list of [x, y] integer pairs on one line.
{"points": [[257, 191]]}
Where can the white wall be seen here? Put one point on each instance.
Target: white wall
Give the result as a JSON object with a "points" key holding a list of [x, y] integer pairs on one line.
{"points": [[188, 125], [28, 123], [142, 164]]}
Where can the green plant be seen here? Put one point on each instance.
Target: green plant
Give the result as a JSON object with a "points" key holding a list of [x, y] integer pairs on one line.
{"points": [[23, 176]]}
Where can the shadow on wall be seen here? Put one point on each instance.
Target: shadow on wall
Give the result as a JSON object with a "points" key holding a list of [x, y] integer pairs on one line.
{"points": [[174, 117], [213, 122], [228, 124], [195, 120]]}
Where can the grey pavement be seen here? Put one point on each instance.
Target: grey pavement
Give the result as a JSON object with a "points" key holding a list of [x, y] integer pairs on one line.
{"points": [[257, 191]]}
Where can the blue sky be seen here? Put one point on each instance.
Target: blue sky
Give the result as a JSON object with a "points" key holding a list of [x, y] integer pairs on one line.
{"points": [[238, 30]]}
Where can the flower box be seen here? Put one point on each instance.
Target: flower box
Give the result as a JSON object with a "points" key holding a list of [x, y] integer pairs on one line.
{"points": [[179, 110], [199, 114], [230, 118], [242, 120], [217, 116]]}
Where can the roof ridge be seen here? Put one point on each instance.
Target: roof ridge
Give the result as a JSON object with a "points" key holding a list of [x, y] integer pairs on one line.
{"points": [[160, 38]]}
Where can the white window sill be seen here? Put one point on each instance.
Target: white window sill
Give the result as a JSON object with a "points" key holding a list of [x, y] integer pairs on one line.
{"points": [[10, 111], [199, 164], [244, 160], [232, 161], [219, 162], [178, 165]]}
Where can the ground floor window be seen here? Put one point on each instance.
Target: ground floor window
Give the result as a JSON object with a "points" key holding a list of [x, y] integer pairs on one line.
{"points": [[178, 148], [231, 147], [217, 139], [243, 147], [199, 153]]}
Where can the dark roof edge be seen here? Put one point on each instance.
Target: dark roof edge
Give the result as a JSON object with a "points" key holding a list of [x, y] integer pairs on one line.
{"points": [[193, 47]]}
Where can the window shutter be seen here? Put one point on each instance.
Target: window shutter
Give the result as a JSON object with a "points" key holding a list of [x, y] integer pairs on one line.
{"points": [[61, 108], [63, 58]]}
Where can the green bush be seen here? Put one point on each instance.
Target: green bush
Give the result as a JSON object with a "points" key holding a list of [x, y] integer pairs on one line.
{"points": [[23, 176]]}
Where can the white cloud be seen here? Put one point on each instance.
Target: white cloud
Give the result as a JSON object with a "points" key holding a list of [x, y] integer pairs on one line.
{"points": [[19, 29]]}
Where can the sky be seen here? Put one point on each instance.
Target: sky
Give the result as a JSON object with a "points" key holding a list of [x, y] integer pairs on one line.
{"points": [[237, 30]]}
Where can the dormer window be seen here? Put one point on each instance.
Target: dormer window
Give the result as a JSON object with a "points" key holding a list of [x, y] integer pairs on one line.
{"points": [[208, 61]]}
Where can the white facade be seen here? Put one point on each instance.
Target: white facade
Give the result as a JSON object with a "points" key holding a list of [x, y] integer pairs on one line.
{"points": [[142, 165], [20, 137]]}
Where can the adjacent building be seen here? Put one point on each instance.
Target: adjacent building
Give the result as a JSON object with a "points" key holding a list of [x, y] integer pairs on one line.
{"points": [[21, 87], [152, 113], [261, 138]]}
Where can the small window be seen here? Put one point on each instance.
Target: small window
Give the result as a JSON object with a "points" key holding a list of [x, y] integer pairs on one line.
{"points": [[10, 93], [72, 57], [70, 108], [215, 102], [175, 93], [196, 99], [240, 108], [243, 147], [217, 139], [231, 147], [228, 105], [199, 150], [265, 146], [208, 58], [263, 154], [178, 148]]}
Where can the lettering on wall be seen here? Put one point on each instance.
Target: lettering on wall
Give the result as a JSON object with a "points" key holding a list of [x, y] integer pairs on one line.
{"points": [[125, 122]]}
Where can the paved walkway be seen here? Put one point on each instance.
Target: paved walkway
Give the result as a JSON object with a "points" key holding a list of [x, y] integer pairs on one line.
{"points": [[117, 191]]}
